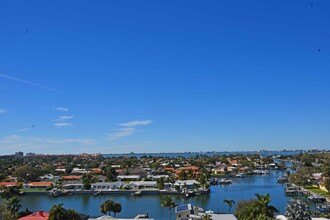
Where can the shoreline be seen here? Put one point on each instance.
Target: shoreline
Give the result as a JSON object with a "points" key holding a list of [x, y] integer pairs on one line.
{"points": [[129, 192]]}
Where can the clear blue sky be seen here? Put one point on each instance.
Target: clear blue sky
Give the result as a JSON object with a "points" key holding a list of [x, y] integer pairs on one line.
{"points": [[160, 76]]}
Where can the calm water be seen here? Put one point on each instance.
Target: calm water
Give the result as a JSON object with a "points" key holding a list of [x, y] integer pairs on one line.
{"points": [[244, 188], [193, 154]]}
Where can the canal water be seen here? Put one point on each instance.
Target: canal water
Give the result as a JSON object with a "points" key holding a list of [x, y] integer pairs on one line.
{"points": [[243, 188]]}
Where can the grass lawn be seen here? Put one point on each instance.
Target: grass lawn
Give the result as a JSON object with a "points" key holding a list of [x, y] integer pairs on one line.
{"points": [[33, 190], [317, 190]]}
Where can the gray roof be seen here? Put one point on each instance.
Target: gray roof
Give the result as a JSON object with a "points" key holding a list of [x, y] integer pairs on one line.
{"points": [[108, 184]]}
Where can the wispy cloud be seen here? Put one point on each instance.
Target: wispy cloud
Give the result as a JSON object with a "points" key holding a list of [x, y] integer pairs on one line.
{"points": [[16, 142], [26, 129], [64, 117], [62, 124], [12, 78], [61, 109], [135, 123], [122, 132], [2, 110], [128, 129]]}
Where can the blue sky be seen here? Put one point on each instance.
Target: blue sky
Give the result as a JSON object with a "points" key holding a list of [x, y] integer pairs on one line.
{"points": [[161, 76]]}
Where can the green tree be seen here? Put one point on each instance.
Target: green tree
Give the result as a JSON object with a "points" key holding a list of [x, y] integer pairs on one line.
{"points": [[27, 173], [57, 212], [68, 169], [72, 214], [327, 184], [86, 182], [8, 192], [326, 169], [116, 208], [107, 207], [258, 208], [230, 203], [168, 202], [13, 206], [160, 183], [110, 173], [4, 212], [263, 202]]}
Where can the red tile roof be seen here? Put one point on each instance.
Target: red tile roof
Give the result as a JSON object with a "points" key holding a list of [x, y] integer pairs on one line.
{"points": [[41, 215], [40, 184], [189, 168], [8, 183], [72, 177]]}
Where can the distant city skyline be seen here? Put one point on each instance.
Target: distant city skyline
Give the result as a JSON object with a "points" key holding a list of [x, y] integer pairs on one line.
{"points": [[120, 77]]}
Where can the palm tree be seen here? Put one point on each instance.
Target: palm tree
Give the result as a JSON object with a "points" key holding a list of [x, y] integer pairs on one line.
{"points": [[297, 209], [8, 192], [72, 214], [230, 203], [57, 212], [263, 206], [167, 201], [107, 206], [13, 206], [116, 208]]}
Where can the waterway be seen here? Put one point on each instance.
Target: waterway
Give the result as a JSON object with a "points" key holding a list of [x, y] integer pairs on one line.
{"points": [[244, 188], [213, 153]]}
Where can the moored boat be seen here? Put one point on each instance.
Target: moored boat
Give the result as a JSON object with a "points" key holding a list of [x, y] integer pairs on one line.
{"points": [[317, 199], [225, 181]]}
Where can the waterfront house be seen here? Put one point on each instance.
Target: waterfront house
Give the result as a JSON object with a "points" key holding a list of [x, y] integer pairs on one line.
{"points": [[38, 185], [74, 186], [188, 184], [141, 185], [107, 185], [41, 215], [128, 177]]}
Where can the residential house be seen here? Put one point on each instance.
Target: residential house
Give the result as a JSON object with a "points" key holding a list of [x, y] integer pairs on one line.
{"points": [[141, 185], [155, 177], [79, 170], [186, 184], [71, 177], [107, 185], [74, 186], [38, 185], [128, 177]]}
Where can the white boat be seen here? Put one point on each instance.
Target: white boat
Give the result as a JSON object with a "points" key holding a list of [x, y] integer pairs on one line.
{"points": [[317, 199], [225, 181], [240, 175], [137, 193]]}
